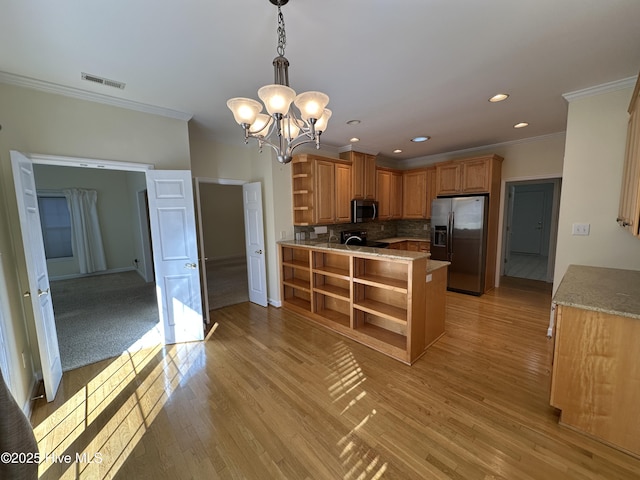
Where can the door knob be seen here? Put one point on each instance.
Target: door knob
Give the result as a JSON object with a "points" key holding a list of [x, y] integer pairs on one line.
{"points": [[43, 292], [259, 252], [26, 294], [191, 266]]}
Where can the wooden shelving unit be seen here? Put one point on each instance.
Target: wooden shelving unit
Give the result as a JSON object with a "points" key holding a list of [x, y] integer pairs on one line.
{"points": [[377, 301]]}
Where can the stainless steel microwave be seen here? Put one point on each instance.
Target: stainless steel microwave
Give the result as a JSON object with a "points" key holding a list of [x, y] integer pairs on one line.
{"points": [[363, 210]]}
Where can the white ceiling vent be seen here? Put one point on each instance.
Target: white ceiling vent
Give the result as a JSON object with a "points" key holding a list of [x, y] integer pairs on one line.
{"points": [[102, 81]]}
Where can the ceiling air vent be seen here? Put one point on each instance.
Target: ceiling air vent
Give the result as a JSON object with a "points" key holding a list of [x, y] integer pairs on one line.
{"points": [[102, 81]]}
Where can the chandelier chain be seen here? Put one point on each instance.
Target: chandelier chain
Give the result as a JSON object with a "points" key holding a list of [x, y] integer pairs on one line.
{"points": [[282, 35]]}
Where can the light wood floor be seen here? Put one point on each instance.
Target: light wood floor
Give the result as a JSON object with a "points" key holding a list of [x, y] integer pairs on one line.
{"points": [[271, 395]]}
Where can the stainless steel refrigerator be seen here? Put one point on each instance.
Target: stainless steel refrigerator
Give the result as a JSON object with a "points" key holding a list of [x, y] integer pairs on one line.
{"points": [[459, 235]]}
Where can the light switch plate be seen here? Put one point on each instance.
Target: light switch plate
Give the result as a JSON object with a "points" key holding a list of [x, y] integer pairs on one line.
{"points": [[580, 229]]}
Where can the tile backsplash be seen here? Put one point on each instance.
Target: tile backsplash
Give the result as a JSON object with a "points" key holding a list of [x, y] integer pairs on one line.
{"points": [[375, 230]]}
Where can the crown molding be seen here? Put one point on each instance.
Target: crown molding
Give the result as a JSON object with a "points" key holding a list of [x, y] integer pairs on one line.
{"points": [[20, 81], [600, 89], [357, 148], [440, 157]]}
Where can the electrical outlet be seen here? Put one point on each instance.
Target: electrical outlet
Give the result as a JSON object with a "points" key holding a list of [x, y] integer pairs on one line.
{"points": [[425, 227], [283, 234], [580, 229], [382, 228]]}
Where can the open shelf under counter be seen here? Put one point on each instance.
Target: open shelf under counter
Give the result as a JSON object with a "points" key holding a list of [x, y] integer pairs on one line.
{"points": [[380, 298]]}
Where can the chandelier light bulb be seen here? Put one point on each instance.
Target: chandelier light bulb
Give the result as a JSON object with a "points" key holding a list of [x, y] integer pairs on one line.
{"points": [[245, 110], [262, 121], [277, 98], [321, 124], [311, 104]]}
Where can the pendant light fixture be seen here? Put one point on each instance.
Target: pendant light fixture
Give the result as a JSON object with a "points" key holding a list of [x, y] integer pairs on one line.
{"points": [[282, 128]]}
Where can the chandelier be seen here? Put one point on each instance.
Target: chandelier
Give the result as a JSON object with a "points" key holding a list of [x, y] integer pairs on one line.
{"points": [[282, 129]]}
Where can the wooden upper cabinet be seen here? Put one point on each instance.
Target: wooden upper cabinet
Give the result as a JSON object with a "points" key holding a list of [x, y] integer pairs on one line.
{"points": [[476, 176], [325, 191], [473, 175], [321, 190], [448, 178], [389, 193], [384, 194], [629, 209], [343, 193], [395, 195], [414, 193], [363, 174]]}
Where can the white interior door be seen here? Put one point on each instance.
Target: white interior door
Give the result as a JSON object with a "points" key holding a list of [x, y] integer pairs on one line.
{"points": [[254, 236], [204, 288], [173, 235], [38, 277]]}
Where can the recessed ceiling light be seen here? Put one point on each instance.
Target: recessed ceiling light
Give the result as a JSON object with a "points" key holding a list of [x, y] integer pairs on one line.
{"points": [[420, 139], [353, 122], [354, 139], [499, 97], [521, 125], [397, 150]]}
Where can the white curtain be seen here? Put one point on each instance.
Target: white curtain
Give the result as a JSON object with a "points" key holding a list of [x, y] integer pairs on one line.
{"points": [[85, 229]]}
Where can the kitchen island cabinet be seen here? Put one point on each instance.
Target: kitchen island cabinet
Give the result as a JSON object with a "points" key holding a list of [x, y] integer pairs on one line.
{"points": [[392, 301], [596, 363]]}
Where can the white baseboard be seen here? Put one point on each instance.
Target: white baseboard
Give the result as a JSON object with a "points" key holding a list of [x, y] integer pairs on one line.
{"points": [[27, 408], [274, 303], [102, 272]]}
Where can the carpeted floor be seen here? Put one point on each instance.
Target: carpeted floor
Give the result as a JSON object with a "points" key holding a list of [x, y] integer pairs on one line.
{"points": [[102, 316], [227, 282]]}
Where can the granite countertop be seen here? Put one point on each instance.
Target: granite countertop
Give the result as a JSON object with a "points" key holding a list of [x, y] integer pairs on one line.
{"points": [[403, 239], [436, 264], [607, 290], [370, 251]]}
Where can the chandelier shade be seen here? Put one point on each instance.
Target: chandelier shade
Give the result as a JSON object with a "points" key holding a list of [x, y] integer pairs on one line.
{"points": [[277, 98], [245, 110], [282, 128]]}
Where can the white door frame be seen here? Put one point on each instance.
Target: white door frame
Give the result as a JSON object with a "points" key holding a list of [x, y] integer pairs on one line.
{"points": [[503, 221], [221, 181]]}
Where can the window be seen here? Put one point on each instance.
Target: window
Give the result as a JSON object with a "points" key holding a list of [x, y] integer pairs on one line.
{"points": [[56, 226]]}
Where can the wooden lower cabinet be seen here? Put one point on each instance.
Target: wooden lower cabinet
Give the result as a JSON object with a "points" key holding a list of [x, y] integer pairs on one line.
{"points": [[596, 377], [385, 303]]}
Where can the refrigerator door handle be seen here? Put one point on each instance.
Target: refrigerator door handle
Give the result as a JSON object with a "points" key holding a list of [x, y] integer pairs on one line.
{"points": [[450, 242]]}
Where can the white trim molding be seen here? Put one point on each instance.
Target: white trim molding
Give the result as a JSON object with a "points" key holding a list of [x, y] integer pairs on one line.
{"points": [[88, 163], [600, 89], [20, 81]]}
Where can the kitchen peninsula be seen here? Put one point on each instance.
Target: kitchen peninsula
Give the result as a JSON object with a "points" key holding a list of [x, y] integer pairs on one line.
{"points": [[596, 373], [390, 300]]}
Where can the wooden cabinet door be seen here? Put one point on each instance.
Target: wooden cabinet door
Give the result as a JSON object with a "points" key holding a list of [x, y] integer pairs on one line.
{"points": [[384, 194], [325, 192], [414, 194], [343, 193], [357, 175], [431, 188], [398, 245], [448, 179], [395, 195], [369, 177], [629, 210], [476, 176]]}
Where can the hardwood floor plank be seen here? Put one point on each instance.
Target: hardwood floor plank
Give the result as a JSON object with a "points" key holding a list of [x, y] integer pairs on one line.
{"points": [[272, 395]]}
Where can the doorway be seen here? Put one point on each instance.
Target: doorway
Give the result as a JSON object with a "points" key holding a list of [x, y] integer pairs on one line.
{"points": [[222, 234], [102, 314], [531, 228]]}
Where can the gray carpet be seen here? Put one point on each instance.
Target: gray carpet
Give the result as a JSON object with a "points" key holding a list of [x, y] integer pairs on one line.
{"points": [[102, 316], [227, 282]]}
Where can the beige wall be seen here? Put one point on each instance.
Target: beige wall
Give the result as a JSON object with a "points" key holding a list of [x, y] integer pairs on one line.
{"points": [[44, 123], [222, 220], [596, 136], [117, 211], [244, 163]]}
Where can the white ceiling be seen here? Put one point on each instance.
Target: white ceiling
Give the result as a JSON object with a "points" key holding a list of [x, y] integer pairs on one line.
{"points": [[402, 67]]}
